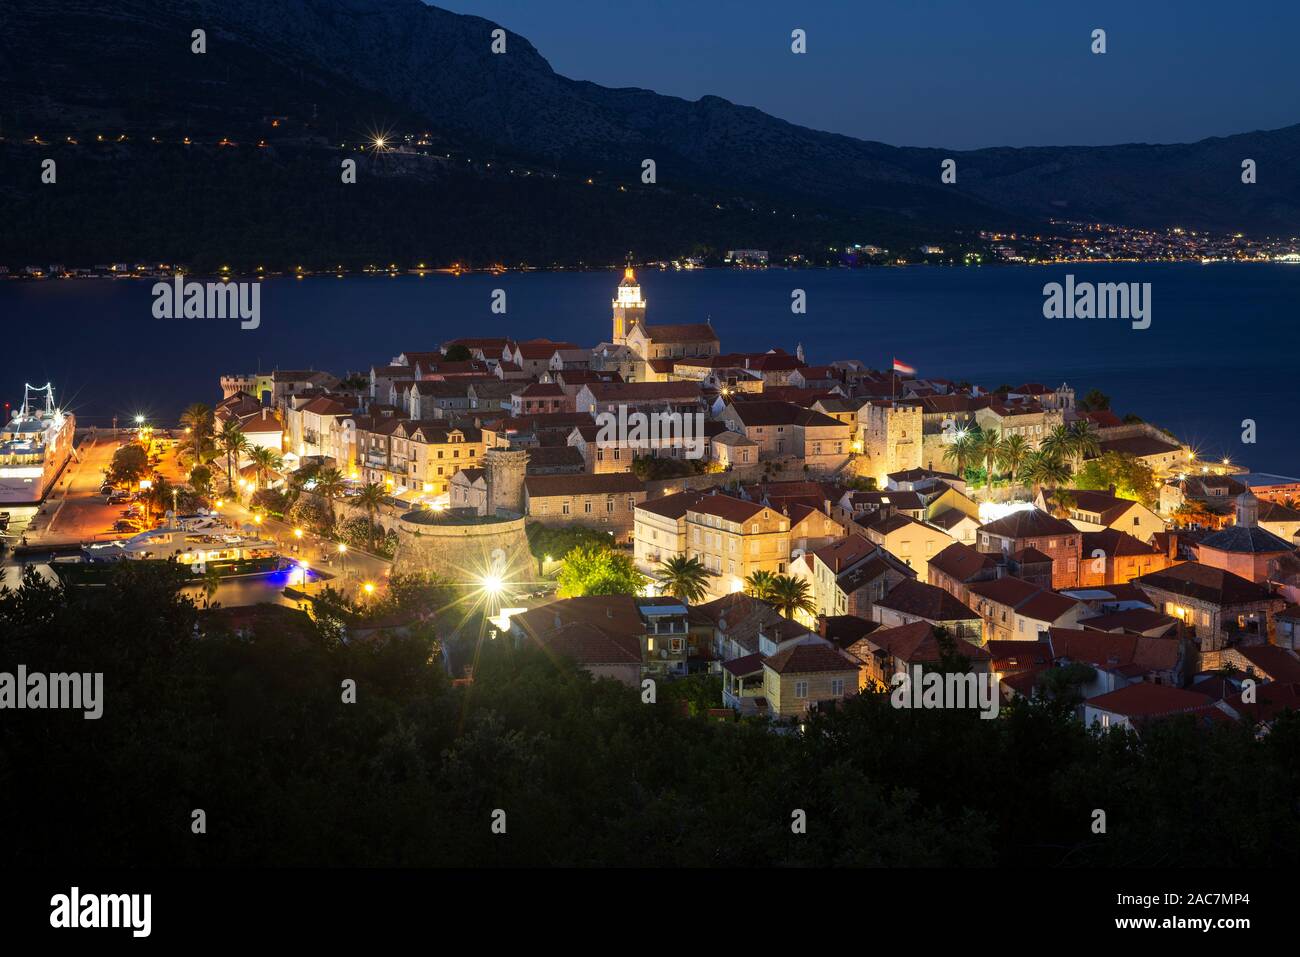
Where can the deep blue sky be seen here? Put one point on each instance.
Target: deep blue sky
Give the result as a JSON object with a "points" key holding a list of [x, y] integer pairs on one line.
{"points": [[957, 74]]}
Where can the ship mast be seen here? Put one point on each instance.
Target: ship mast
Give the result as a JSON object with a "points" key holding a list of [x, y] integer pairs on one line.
{"points": [[28, 389]]}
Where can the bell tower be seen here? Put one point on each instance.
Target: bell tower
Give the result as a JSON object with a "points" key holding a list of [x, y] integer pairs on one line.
{"points": [[628, 305]]}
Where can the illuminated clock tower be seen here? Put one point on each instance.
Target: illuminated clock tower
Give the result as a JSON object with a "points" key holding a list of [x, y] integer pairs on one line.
{"points": [[629, 307]]}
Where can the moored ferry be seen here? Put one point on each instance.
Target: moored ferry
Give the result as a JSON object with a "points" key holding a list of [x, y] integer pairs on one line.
{"points": [[198, 543], [34, 447]]}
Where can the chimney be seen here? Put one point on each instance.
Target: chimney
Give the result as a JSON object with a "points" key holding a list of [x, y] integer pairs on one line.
{"points": [[1111, 490], [821, 625]]}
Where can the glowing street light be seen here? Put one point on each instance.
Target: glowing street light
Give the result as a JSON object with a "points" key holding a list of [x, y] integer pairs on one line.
{"points": [[492, 584], [297, 533], [368, 588]]}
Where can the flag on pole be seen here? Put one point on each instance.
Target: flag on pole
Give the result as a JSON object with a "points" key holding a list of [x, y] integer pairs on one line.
{"points": [[903, 368]]}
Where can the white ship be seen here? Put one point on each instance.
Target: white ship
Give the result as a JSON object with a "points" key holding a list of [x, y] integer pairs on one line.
{"points": [[34, 448], [196, 542]]}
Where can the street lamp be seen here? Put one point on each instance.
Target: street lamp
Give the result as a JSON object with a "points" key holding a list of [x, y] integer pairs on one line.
{"points": [[368, 588]]}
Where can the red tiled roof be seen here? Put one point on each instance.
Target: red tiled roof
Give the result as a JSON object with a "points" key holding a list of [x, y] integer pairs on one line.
{"points": [[1146, 700], [809, 659]]}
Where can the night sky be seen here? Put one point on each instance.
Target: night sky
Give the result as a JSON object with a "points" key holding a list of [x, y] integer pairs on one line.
{"points": [[957, 74]]}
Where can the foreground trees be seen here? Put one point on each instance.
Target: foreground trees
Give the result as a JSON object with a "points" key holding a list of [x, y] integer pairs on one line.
{"points": [[250, 726]]}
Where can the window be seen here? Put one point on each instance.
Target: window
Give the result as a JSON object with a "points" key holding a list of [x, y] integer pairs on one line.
{"points": [[586, 507], [801, 689], [564, 509], [837, 686]]}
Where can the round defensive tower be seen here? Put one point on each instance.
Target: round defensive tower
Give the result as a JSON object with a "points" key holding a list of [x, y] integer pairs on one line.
{"points": [[462, 547]]}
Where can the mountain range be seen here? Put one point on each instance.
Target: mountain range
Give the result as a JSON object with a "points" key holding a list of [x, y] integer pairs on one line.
{"points": [[338, 71]]}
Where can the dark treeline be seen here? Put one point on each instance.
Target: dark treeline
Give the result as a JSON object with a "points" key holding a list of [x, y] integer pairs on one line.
{"points": [[253, 731]]}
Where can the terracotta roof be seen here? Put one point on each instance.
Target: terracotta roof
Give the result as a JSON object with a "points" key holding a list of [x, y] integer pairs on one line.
{"points": [[1246, 540], [843, 630], [324, 405], [1029, 523], [1270, 701], [728, 508], [1011, 655], [809, 659], [1138, 445], [1115, 544], [917, 643], [1146, 699], [1105, 504], [1279, 664], [547, 486], [671, 506], [682, 332], [643, 391], [745, 665], [1214, 585], [912, 597], [1131, 620], [589, 645], [1115, 652], [962, 562], [261, 422]]}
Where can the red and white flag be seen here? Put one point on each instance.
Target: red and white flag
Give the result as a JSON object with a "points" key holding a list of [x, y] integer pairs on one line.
{"points": [[903, 368]]}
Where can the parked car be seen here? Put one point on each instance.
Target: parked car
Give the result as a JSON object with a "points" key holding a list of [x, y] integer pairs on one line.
{"points": [[108, 488], [127, 525]]}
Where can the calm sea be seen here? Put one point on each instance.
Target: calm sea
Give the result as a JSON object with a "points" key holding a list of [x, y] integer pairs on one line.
{"points": [[1221, 348]]}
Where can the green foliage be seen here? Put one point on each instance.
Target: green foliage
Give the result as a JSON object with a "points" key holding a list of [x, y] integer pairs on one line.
{"points": [[130, 464], [598, 570], [201, 479], [1095, 401], [457, 353], [310, 513], [558, 540], [684, 578], [699, 692], [359, 532], [1132, 479], [408, 776], [651, 468], [270, 500]]}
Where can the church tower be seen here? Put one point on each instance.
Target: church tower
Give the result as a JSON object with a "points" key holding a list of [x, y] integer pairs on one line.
{"points": [[629, 307]]}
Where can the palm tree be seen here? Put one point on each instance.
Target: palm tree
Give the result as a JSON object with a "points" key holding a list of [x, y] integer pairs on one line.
{"points": [[1044, 468], [160, 494], [760, 585], [988, 444], [266, 461], [231, 440], [198, 419], [1083, 442], [684, 577], [329, 486], [961, 452], [370, 497], [1012, 455], [211, 582], [790, 595], [1058, 443]]}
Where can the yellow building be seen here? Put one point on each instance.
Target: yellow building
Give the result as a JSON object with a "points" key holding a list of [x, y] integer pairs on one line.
{"points": [[734, 538]]}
